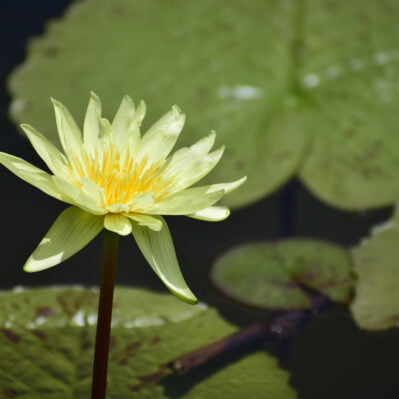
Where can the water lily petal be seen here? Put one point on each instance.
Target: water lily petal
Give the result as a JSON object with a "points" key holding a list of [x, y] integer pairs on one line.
{"points": [[71, 231], [192, 167], [145, 220], [212, 214], [78, 197], [227, 187], [132, 137], [68, 131], [66, 188], [142, 201], [158, 249], [50, 154], [127, 120], [93, 191], [117, 208], [204, 145], [89, 205], [160, 138], [91, 126], [185, 202], [138, 116], [118, 224], [198, 149], [32, 175], [105, 129]]}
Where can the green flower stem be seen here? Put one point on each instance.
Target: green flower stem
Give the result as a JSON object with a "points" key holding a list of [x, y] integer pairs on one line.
{"points": [[110, 255]]}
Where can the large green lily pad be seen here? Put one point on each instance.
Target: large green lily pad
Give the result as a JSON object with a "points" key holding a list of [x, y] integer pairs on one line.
{"points": [[205, 56], [46, 348], [272, 275], [351, 73], [294, 86], [376, 263]]}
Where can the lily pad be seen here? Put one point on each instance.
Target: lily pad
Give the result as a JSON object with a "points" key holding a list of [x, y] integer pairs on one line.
{"points": [[277, 80], [351, 76], [47, 338], [376, 263], [271, 275], [205, 56]]}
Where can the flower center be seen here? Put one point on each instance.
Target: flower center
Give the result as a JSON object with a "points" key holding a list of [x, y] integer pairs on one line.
{"points": [[120, 177]]}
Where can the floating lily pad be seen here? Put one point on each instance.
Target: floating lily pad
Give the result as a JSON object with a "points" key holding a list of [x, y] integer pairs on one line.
{"points": [[208, 57], [351, 75], [271, 275], [47, 338], [277, 80], [376, 263]]}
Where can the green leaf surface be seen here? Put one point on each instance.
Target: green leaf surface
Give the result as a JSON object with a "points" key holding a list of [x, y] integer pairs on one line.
{"points": [[205, 56], [271, 275], [376, 263], [286, 89], [47, 338], [350, 75]]}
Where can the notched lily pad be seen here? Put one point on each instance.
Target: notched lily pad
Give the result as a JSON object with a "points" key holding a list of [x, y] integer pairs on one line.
{"points": [[271, 275], [265, 77], [215, 66], [376, 263], [47, 339]]}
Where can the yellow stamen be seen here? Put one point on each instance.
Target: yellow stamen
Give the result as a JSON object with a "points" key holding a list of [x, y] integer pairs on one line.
{"points": [[119, 176]]}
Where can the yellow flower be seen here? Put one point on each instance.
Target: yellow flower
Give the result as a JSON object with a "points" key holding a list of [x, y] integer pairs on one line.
{"points": [[116, 179]]}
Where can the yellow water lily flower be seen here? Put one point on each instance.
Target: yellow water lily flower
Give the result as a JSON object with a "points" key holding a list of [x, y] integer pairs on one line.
{"points": [[115, 178]]}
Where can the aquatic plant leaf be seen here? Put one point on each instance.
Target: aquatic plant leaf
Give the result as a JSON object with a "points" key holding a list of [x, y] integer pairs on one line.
{"points": [[204, 56], [376, 302], [47, 338], [271, 275], [350, 76], [287, 92]]}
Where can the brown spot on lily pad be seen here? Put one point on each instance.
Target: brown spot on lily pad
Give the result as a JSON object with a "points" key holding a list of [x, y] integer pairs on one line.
{"points": [[10, 335], [52, 51], [9, 393], [155, 340], [85, 340], [129, 351], [45, 312], [39, 334]]}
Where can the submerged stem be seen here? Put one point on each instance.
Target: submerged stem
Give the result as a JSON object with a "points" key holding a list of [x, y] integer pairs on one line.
{"points": [[100, 367]]}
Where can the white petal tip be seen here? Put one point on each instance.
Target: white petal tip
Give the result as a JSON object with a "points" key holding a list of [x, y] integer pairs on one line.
{"points": [[94, 96], [28, 129], [123, 233], [176, 109], [25, 126], [242, 180], [235, 184], [57, 104], [212, 214], [187, 297], [128, 99], [27, 268], [33, 266], [30, 269], [118, 224]]}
